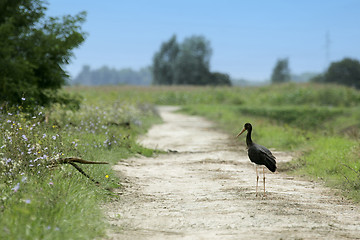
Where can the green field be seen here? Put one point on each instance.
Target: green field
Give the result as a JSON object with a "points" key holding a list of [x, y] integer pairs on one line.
{"points": [[319, 123]]}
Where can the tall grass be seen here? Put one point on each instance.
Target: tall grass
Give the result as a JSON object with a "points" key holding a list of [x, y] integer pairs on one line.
{"points": [[40, 201]]}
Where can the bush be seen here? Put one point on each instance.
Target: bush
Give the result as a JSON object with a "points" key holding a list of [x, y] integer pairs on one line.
{"points": [[34, 50]]}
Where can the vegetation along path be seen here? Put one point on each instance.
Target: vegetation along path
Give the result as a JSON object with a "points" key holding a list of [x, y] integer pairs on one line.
{"points": [[204, 188]]}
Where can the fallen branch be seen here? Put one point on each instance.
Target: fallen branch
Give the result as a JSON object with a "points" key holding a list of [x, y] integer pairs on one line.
{"points": [[72, 162], [78, 160]]}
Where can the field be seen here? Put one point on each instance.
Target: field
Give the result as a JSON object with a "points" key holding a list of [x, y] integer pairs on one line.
{"points": [[318, 123]]}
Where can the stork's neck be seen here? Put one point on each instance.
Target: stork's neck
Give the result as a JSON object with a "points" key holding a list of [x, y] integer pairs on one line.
{"points": [[249, 141]]}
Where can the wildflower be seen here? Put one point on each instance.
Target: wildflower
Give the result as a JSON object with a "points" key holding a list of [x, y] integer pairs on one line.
{"points": [[51, 183], [27, 201], [20, 128], [23, 99], [24, 179], [16, 188], [106, 176], [54, 137], [24, 137], [53, 126], [44, 135]]}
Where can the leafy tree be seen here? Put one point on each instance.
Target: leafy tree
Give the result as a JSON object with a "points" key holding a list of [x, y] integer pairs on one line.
{"points": [[164, 62], [281, 71], [33, 51], [187, 63], [192, 63], [220, 79], [345, 72]]}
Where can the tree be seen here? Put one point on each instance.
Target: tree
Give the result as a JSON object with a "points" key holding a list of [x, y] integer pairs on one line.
{"points": [[192, 62], [281, 71], [187, 63], [34, 50], [164, 62], [345, 72], [220, 79]]}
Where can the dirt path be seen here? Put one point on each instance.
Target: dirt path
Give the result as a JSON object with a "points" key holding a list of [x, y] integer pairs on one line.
{"points": [[206, 190]]}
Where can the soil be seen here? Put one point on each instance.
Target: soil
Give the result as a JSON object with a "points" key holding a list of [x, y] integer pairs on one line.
{"points": [[204, 188]]}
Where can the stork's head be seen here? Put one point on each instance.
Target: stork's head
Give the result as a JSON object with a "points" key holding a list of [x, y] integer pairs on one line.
{"points": [[247, 127]]}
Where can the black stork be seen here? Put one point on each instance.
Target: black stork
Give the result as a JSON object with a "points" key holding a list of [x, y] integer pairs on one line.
{"points": [[259, 155]]}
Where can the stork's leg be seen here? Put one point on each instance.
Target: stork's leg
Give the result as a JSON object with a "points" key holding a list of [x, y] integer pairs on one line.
{"points": [[257, 180], [264, 179]]}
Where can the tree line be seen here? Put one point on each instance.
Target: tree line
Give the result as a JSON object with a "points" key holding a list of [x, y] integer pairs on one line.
{"points": [[344, 72], [112, 76]]}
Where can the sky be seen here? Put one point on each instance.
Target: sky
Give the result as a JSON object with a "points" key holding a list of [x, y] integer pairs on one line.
{"points": [[247, 37]]}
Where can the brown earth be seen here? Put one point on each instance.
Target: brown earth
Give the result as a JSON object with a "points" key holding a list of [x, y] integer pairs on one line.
{"points": [[204, 188]]}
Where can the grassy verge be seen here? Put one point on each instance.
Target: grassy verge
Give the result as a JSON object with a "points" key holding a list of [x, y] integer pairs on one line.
{"points": [[41, 202]]}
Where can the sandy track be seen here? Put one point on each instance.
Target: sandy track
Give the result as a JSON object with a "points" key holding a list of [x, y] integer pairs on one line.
{"points": [[206, 190]]}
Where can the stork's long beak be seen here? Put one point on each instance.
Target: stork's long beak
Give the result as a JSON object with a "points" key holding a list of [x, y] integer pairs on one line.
{"points": [[241, 132]]}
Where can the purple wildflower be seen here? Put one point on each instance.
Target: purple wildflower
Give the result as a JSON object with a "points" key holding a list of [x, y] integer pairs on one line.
{"points": [[16, 188]]}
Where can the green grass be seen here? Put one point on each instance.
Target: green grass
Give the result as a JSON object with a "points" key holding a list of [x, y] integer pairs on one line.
{"points": [[38, 202], [63, 206], [320, 122]]}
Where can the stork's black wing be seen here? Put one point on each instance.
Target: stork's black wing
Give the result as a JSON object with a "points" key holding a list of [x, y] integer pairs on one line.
{"points": [[262, 156]]}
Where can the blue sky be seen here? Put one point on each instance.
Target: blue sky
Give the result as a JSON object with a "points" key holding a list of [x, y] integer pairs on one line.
{"points": [[247, 37]]}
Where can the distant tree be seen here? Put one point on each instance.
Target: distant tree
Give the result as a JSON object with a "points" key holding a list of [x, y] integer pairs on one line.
{"points": [[164, 62], [345, 72], [220, 79], [317, 78], [192, 62], [111, 76], [281, 71], [33, 52], [187, 63]]}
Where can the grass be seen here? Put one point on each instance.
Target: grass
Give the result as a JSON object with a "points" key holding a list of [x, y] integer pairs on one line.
{"points": [[39, 202], [319, 121]]}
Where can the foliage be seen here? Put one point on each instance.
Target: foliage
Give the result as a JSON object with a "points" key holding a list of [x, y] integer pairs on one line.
{"points": [[34, 50], [164, 63], [192, 62], [187, 63], [281, 71], [108, 76], [39, 202], [345, 72]]}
